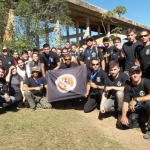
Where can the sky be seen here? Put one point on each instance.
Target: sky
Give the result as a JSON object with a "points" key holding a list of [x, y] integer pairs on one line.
{"points": [[137, 10]]}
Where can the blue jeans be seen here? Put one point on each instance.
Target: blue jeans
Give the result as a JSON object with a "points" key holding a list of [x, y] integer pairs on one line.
{"points": [[3, 102]]}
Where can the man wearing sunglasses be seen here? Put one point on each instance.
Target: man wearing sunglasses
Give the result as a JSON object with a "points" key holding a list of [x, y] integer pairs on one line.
{"points": [[68, 63], [130, 49], [91, 52], [144, 55], [95, 85], [112, 97], [136, 103]]}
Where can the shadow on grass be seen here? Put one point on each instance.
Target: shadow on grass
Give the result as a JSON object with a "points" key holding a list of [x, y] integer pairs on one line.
{"points": [[12, 108], [77, 104]]}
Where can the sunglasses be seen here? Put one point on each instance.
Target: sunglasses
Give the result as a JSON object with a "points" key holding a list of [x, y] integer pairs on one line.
{"points": [[95, 64], [67, 59], [144, 35], [4, 50]]}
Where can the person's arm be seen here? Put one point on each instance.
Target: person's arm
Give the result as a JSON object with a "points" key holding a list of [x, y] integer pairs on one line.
{"points": [[9, 74], [42, 69], [103, 64], [21, 88], [103, 99], [116, 88], [58, 65], [124, 119], [93, 85], [87, 89], [26, 88]]}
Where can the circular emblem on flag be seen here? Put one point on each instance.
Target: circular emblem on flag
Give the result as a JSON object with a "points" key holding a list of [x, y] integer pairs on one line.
{"points": [[66, 83], [141, 93]]}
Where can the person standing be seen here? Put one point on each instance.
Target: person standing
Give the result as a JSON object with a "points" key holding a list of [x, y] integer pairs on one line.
{"points": [[130, 49], [144, 54], [49, 60], [91, 52], [6, 59]]}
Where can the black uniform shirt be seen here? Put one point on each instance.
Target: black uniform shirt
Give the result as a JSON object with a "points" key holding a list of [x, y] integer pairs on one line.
{"points": [[131, 51], [31, 83], [120, 81], [63, 65], [50, 61], [89, 54], [98, 79], [132, 91]]}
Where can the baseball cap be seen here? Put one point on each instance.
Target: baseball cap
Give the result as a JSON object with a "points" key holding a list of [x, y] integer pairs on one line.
{"points": [[15, 52], [134, 68], [105, 38], [89, 38], [35, 69], [100, 46]]}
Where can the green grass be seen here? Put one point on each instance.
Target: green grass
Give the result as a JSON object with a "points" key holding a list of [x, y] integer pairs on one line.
{"points": [[50, 130]]}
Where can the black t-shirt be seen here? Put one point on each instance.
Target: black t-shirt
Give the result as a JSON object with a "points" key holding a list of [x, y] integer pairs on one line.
{"points": [[139, 90], [50, 61], [31, 83], [7, 62], [64, 66], [131, 51], [112, 54], [98, 79], [89, 54], [144, 57], [120, 81]]}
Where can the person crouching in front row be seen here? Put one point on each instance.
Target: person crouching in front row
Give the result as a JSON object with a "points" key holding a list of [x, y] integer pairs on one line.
{"points": [[35, 89]]}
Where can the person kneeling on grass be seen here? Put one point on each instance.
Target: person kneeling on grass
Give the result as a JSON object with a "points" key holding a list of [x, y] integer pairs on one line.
{"points": [[136, 105], [112, 97], [35, 89]]}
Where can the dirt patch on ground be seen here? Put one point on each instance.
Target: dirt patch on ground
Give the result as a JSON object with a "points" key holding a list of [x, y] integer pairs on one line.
{"points": [[129, 139]]}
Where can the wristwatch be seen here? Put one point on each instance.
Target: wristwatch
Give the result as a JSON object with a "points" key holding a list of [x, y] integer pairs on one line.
{"points": [[97, 87], [135, 99]]}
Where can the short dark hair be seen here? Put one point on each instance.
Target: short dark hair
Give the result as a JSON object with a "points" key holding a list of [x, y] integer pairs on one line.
{"points": [[20, 59], [24, 52], [113, 63], [64, 49], [46, 45], [129, 30], [95, 59], [117, 38], [67, 42]]}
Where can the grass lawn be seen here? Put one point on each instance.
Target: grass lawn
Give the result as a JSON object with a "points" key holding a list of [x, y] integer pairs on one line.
{"points": [[50, 129]]}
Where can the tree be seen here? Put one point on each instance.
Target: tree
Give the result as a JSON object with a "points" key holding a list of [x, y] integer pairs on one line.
{"points": [[118, 10], [33, 20]]}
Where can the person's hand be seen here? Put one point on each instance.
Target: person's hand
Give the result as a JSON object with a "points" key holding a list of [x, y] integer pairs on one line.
{"points": [[118, 46], [7, 97], [124, 120], [86, 94], [137, 63], [38, 88], [11, 67], [24, 98], [132, 105], [102, 109], [93, 85]]}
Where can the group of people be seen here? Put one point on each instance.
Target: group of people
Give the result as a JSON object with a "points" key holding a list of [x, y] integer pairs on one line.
{"points": [[117, 77]]}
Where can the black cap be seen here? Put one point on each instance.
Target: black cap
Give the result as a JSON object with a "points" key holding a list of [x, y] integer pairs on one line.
{"points": [[89, 38], [100, 46], [15, 52], [106, 39], [134, 68]]}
